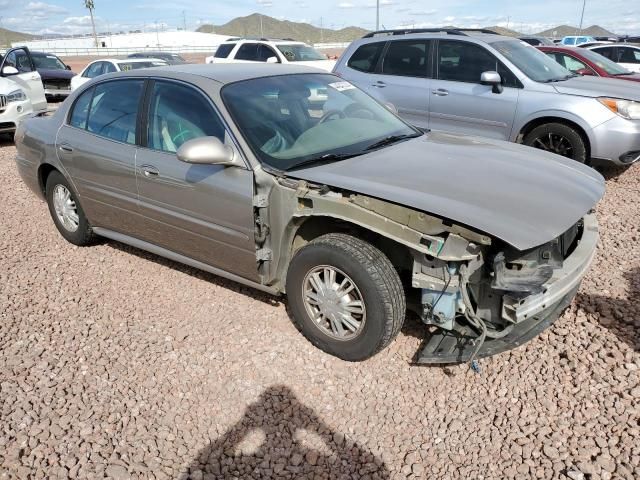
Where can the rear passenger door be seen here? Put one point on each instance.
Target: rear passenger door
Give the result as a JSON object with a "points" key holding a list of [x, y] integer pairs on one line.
{"points": [[460, 103], [403, 80], [202, 211], [97, 146]]}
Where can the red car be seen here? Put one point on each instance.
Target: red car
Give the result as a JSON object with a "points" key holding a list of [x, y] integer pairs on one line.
{"points": [[588, 62]]}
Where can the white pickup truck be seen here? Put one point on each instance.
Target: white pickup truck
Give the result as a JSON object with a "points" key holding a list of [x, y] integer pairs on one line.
{"points": [[21, 89]]}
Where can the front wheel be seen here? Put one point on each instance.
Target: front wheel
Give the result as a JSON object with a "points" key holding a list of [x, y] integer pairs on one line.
{"points": [[345, 296], [558, 138]]}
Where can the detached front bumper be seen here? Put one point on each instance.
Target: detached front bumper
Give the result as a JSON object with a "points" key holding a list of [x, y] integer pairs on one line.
{"points": [[530, 316]]}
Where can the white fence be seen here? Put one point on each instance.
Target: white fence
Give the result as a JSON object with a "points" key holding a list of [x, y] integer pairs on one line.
{"points": [[116, 52]]}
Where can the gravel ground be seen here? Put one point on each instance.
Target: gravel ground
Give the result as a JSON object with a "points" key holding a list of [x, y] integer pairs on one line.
{"points": [[117, 363]]}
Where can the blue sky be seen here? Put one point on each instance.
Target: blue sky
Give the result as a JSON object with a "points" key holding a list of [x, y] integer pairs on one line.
{"points": [[70, 16]]}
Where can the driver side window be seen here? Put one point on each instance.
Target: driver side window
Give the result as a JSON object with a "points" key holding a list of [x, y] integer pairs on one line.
{"points": [[177, 114]]}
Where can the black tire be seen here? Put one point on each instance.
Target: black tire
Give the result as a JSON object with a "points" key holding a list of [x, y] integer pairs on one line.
{"points": [[548, 137], [377, 281], [83, 235]]}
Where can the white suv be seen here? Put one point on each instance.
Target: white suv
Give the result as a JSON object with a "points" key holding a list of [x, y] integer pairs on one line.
{"points": [[270, 51]]}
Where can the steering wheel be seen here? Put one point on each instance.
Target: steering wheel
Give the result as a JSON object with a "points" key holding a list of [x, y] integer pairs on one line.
{"points": [[332, 113], [352, 111]]}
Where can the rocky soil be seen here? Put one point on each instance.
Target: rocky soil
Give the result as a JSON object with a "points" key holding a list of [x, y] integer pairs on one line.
{"points": [[116, 363]]}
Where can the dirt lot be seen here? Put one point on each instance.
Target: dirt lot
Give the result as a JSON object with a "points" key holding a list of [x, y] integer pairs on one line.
{"points": [[117, 363]]}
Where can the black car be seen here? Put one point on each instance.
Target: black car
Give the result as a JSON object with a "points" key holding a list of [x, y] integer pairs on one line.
{"points": [[56, 75], [170, 58]]}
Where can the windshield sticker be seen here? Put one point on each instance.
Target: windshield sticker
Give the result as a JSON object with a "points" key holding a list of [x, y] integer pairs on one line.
{"points": [[342, 86]]}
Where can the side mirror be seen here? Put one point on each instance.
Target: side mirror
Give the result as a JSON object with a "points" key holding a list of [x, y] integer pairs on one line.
{"points": [[67, 67], [493, 79], [206, 151], [391, 107], [272, 60], [9, 70], [584, 72]]}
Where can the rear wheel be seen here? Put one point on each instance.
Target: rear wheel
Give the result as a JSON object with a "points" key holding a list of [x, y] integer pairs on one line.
{"points": [[66, 212], [345, 296], [558, 138]]}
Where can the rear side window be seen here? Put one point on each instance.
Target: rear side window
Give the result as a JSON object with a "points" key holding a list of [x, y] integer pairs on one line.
{"points": [[224, 50], [366, 57], [178, 114], [80, 110], [628, 55], [406, 58], [114, 110], [606, 52]]}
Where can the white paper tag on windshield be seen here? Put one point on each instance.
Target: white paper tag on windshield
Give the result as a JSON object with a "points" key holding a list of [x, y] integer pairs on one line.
{"points": [[342, 86]]}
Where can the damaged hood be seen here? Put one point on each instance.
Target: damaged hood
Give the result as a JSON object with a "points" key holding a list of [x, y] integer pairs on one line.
{"points": [[518, 194]]}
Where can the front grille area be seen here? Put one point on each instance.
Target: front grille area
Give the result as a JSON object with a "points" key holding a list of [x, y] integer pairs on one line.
{"points": [[3, 102], [60, 84]]}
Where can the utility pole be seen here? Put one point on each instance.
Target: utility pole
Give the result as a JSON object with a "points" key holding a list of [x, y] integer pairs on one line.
{"points": [[261, 29], [157, 35], [377, 14], [184, 21], [584, 4], [321, 32], [90, 5]]}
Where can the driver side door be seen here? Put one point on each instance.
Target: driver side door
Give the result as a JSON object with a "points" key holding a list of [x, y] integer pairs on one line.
{"points": [[204, 212], [28, 78]]}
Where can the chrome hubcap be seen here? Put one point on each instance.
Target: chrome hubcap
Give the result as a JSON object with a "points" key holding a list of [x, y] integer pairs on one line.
{"points": [[552, 142], [334, 302], [65, 208]]}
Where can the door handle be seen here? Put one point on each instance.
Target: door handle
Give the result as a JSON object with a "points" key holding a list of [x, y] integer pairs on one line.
{"points": [[441, 92], [66, 148], [379, 84], [149, 171]]}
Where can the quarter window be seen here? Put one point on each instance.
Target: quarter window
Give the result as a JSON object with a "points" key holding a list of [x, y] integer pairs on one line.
{"points": [[114, 110], [406, 58], [608, 52], [80, 110], [366, 57], [177, 114], [109, 67]]}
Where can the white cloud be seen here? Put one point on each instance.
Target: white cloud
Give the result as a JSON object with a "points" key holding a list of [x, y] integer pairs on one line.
{"points": [[41, 9], [84, 21], [265, 3], [424, 13], [346, 5]]}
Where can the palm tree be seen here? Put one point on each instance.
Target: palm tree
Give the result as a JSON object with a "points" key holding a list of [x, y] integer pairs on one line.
{"points": [[90, 5]]}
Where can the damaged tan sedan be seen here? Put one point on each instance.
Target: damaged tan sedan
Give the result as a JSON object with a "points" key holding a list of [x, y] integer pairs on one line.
{"points": [[293, 181]]}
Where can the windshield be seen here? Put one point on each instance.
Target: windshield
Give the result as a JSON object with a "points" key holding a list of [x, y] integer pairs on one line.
{"points": [[604, 63], [532, 62], [292, 120], [126, 66], [48, 62], [300, 53]]}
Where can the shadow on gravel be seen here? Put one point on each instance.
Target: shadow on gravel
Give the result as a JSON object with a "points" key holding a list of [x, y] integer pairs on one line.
{"points": [[279, 437], [194, 272], [6, 140], [610, 172], [618, 315]]}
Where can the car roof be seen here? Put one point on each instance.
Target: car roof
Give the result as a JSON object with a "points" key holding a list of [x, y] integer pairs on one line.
{"points": [[228, 72], [276, 41]]}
